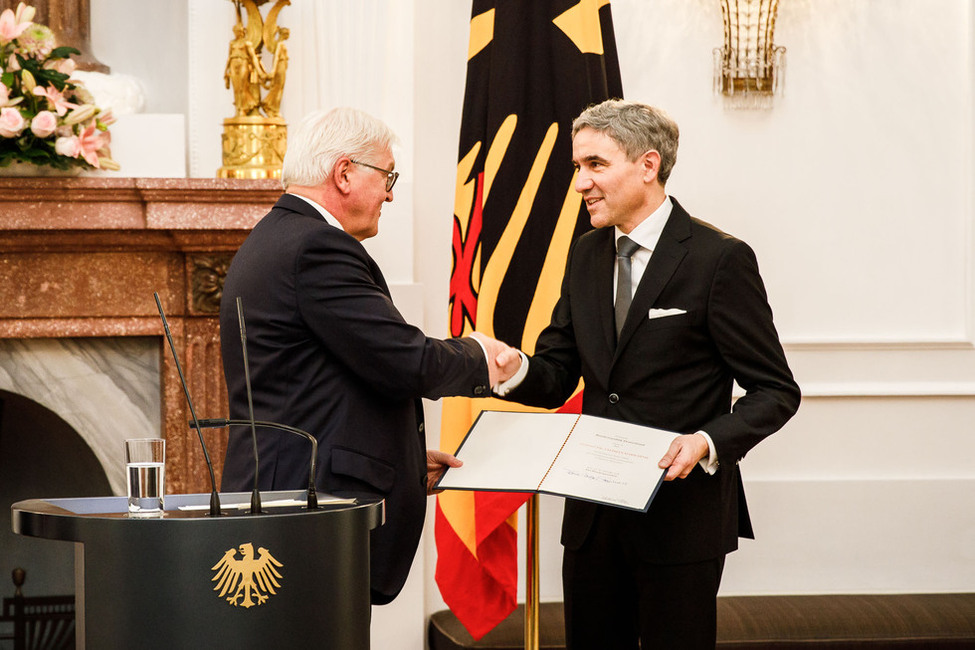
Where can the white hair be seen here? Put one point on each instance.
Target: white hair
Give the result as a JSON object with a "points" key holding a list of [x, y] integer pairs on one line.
{"points": [[323, 137]]}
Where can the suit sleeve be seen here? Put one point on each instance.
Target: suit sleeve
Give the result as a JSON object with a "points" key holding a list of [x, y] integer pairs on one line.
{"points": [[340, 299], [740, 323]]}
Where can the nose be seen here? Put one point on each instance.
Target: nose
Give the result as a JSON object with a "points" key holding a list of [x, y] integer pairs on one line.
{"points": [[583, 182], [389, 197]]}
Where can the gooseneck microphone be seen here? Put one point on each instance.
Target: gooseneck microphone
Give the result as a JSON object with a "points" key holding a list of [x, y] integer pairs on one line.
{"points": [[214, 497], [255, 494], [219, 423]]}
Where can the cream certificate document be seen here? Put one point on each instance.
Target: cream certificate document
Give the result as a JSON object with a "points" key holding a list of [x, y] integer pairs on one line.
{"points": [[565, 454]]}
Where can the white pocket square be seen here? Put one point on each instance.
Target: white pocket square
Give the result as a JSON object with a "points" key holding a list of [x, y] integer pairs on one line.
{"points": [[663, 313]]}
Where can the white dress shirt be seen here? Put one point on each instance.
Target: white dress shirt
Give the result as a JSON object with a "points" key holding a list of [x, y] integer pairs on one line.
{"points": [[647, 234]]}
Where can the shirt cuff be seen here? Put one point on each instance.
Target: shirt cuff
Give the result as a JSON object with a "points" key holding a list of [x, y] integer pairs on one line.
{"points": [[710, 462], [483, 349], [506, 387]]}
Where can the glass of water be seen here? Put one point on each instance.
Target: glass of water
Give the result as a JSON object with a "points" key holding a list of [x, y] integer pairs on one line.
{"points": [[145, 467]]}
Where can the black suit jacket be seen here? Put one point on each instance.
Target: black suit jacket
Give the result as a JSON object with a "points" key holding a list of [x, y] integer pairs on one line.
{"points": [[673, 372], [330, 354]]}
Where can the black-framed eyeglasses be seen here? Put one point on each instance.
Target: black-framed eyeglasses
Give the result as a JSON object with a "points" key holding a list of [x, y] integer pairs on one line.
{"points": [[391, 176]]}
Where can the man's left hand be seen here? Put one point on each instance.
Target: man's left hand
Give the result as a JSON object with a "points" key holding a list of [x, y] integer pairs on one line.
{"points": [[437, 463], [684, 454]]}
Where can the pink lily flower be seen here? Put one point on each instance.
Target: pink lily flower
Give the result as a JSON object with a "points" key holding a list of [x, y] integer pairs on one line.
{"points": [[60, 104], [13, 24], [90, 141]]}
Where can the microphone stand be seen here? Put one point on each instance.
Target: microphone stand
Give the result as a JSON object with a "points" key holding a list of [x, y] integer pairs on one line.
{"points": [[214, 497], [219, 423], [256, 494]]}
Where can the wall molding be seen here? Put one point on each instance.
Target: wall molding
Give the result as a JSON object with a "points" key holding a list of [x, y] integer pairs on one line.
{"points": [[877, 345], [873, 389]]}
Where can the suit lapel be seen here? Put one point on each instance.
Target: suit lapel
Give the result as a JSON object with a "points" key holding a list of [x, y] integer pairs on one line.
{"points": [[664, 261]]}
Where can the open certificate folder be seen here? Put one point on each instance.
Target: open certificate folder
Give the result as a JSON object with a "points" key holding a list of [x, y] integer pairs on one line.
{"points": [[579, 456]]}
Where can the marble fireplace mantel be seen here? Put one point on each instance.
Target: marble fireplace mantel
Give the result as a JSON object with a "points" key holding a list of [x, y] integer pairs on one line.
{"points": [[81, 257]]}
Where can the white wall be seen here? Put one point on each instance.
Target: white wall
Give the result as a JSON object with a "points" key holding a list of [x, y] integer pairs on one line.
{"points": [[854, 190]]}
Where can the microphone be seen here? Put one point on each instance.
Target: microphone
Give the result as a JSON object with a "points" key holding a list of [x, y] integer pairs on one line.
{"points": [[219, 423], [214, 497], [256, 494]]}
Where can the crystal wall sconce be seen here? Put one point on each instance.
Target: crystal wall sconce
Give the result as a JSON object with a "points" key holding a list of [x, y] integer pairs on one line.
{"points": [[749, 69]]}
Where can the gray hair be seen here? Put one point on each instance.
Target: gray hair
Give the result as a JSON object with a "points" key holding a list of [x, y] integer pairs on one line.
{"points": [[323, 137], [637, 128]]}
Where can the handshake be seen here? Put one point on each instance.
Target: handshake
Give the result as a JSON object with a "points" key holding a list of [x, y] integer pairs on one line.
{"points": [[503, 360]]}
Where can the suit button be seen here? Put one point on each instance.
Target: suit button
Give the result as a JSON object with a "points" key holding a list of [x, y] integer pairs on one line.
{"points": [[479, 390], [613, 398], [420, 428]]}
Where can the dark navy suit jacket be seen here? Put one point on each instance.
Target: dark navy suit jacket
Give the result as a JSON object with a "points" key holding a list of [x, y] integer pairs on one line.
{"points": [[330, 354]]}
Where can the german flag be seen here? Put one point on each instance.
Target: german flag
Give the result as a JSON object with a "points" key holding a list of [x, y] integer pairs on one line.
{"points": [[532, 67]]}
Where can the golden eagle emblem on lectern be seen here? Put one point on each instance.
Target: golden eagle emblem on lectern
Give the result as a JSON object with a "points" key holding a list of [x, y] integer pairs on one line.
{"points": [[249, 581]]}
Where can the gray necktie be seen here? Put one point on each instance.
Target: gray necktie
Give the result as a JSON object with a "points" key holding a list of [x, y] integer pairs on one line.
{"points": [[625, 247]]}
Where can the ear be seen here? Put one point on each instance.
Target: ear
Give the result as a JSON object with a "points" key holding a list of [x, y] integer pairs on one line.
{"points": [[340, 175], [651, 165]]}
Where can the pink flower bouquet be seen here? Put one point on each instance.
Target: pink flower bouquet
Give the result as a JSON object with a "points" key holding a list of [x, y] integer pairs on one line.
{"points": [[46, 118]]}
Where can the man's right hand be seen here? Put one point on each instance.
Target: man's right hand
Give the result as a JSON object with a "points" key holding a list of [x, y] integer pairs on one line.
{"points": [[503, 360]]}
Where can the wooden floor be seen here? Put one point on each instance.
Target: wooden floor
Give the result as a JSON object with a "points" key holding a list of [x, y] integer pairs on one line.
{"points": [[836, 622]]}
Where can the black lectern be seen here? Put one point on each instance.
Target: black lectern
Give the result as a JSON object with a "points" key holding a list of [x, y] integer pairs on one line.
{"points": [[290, 578]]}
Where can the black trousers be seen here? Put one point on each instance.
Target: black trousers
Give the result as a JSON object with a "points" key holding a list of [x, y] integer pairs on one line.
{"points": [[614, 600]]}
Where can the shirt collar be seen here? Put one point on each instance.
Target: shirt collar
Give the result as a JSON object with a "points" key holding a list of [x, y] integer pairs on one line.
{"points": [[647, 233], [329, 219]]}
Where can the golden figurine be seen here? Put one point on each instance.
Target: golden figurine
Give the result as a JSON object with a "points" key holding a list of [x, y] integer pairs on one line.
{"points": [[255, 139], [274, 82], [244, 70]]}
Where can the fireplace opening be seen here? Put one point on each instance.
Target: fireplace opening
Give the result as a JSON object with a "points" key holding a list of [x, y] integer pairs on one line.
{"points": [[41, 456]]}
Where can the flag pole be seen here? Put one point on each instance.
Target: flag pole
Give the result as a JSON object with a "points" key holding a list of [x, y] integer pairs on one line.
{"points": [[531, 574]]}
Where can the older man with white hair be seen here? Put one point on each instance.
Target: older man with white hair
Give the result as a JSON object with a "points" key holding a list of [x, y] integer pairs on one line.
{"points": [[329, 352]]}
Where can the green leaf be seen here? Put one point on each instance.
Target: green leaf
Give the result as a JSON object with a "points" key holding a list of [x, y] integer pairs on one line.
{"points": [[51, 78], [63, 52]]}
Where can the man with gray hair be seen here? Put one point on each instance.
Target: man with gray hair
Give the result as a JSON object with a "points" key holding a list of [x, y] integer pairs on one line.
{"points": [[328, 351], [660, 313]]}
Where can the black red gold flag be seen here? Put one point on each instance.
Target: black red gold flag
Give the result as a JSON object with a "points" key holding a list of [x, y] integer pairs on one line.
{"points": [[532, 67]]}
